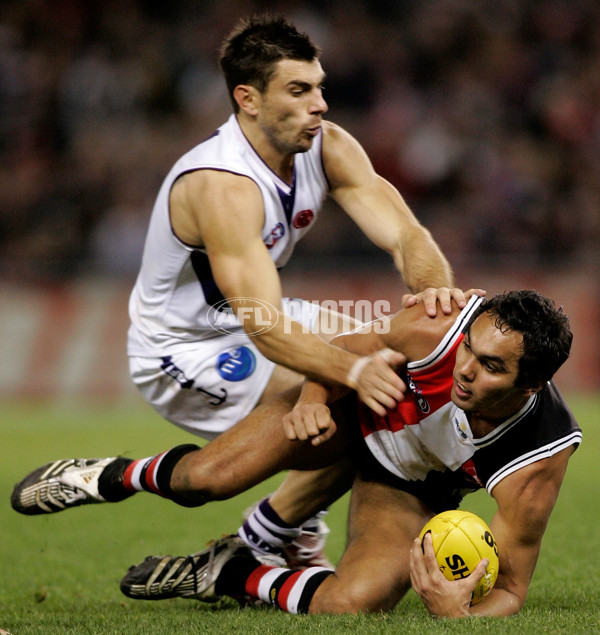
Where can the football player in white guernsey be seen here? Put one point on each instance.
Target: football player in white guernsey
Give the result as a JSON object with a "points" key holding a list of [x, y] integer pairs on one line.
{"points": [[226, 218], [481, 411]]}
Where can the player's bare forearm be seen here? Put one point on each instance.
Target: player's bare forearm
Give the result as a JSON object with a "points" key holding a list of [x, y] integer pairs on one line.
{"points": [[525, 501], [373, 377], [420, 260], [310, 417], [249, 280], [379, 210], [318, 392], [289, 344]]}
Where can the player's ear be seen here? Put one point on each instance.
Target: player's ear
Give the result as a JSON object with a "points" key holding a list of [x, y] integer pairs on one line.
{"points": [[532, 390], [247, 98]]}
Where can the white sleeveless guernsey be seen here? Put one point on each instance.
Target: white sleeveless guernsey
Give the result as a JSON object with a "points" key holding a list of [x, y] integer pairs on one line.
{"points": [[174, 292]]}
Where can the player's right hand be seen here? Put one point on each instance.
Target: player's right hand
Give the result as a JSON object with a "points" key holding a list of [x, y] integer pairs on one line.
{"points": [[442, 597], [378, 384]]}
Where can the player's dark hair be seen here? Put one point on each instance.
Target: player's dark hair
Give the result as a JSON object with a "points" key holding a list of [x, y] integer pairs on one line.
{"points": [[250, 51], [546, 332]]}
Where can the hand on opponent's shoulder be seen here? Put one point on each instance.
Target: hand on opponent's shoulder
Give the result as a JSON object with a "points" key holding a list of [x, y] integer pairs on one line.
{"points": [[420, 326], [444, 296], [416, 329]]}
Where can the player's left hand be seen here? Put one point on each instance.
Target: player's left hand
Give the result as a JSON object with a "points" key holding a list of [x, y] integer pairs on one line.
{"points": [[442, 597], [444, 295]]}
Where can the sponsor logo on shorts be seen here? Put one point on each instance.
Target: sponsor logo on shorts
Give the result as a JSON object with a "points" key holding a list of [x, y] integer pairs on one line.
{"points": [[236, 364], [171, 369]]}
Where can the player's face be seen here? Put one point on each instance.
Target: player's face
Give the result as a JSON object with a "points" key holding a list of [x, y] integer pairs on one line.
{"points": [[292, 106], [486, 368]]}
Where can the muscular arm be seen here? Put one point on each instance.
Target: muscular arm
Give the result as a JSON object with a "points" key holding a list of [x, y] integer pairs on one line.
{"points": [[380, 211], [224, 213], [525, 501]]}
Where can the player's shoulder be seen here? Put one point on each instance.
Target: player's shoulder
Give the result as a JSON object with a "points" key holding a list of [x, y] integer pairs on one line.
{"points": [[415, 333], [206, 183], [334, 136], [331, 129], [344, 159], [203, 202]]}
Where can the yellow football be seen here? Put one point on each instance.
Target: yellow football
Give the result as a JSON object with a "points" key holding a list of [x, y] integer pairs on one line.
{"points": [[460, 540]]}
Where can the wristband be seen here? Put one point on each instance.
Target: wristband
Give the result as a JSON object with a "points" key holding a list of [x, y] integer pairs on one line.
{"points": [[361, 362], [355, 371], [385, 353]]}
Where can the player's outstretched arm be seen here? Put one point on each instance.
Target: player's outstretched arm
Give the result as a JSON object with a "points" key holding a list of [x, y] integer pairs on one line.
{"points": [[380, 211], [525, 501], [390, 339], [225, 216]]}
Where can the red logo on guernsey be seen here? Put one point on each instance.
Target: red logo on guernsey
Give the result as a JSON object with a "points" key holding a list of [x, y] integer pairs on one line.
{"points": [[303, 218]]}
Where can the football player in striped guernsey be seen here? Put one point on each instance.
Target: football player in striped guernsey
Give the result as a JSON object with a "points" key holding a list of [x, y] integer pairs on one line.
{"points": [[481, 411]]}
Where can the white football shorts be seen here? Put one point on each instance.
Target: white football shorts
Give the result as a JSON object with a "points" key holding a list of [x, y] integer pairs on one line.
{"points": [[207, 386]]}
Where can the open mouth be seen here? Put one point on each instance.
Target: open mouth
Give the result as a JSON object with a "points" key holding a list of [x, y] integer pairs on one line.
{"points": [[460, 390]]}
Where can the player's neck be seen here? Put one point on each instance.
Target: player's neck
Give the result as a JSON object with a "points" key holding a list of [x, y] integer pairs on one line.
{"points": [[483, 422], [281, 163], [481, 426]]}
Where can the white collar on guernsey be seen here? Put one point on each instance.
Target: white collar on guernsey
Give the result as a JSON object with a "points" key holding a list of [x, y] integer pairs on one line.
{"points": [[462, 428], [506, 425], [447, 435]]}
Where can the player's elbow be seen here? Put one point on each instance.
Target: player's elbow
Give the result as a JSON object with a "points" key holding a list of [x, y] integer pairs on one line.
{"points": [[513, 603], [501, 602]]}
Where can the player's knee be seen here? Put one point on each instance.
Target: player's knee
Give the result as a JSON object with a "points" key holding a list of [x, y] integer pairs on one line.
{"points": [[206, 478], [354, 597], [339, 604]]}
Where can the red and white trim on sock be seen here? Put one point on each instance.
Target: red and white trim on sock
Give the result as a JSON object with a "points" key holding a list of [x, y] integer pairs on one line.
{"points": [[290, 590], [140, 476]]}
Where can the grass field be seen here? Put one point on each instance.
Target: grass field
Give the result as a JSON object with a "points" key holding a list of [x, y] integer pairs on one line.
{"points": [[61, 572]]}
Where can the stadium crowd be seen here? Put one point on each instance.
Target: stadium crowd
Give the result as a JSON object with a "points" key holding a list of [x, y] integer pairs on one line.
{"points": [[484, 113]]}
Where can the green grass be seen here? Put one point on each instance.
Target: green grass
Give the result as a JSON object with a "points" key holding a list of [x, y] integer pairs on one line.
{"points": [[60, 573]]}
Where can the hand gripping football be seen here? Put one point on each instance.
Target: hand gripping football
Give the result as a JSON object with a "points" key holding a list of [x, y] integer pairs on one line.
{"points": [[460, 540]]}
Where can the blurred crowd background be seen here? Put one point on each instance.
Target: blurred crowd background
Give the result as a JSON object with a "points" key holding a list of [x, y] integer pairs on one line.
{"points": [[484, 113]]}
